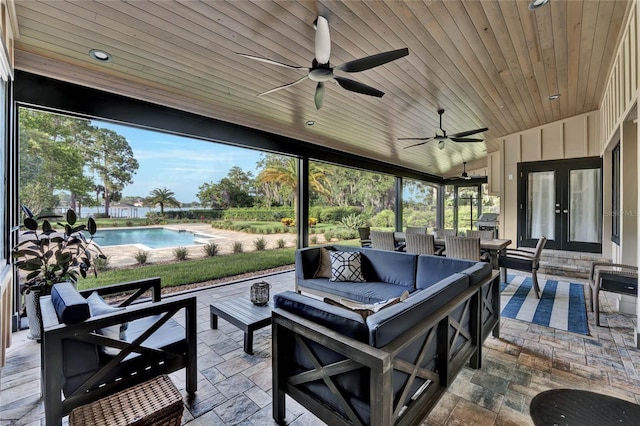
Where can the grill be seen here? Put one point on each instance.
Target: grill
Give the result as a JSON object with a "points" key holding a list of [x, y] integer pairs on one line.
{"points": [[487, 221]]}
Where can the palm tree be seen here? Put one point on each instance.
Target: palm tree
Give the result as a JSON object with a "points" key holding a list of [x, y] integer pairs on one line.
{"points": [[163, 196], [285, 173]]}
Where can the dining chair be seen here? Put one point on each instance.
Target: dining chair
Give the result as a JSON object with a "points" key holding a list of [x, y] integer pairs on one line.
{"points": [[365, 236], [382, 240], [419, 243], [522, 260], [462, 247], [612, 277], [416, 230], [444, 232], [485, 234]]}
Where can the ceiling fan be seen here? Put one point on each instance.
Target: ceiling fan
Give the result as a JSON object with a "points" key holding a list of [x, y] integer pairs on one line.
{"points": [[321, 70], [456, 137]]}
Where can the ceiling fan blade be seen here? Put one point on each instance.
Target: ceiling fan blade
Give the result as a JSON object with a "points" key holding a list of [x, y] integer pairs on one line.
{"points": [[323, 40], [468, 133], [356, 86], [418, 144], [283, 86], [269, 61], [372, 61], [319, 97], [414, 139], [465, 139]]}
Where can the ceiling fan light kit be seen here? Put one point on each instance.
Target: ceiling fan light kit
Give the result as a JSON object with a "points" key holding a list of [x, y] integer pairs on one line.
{"points": [[321, 70]]}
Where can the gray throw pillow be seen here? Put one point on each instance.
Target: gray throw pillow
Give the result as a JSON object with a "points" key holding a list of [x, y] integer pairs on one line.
{"points": [[98, 306]]}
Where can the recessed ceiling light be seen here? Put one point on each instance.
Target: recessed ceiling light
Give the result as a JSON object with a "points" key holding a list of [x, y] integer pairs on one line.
{"points": [[100, 55], [440, 144], [554, 97], [537, 3], [310, 123]]}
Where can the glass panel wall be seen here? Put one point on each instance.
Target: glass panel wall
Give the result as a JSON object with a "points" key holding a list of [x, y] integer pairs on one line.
{"points": [[342, 199], [419, 204]]}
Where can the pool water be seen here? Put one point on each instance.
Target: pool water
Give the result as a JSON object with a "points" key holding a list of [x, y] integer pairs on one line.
{"points": [[150, 237]]}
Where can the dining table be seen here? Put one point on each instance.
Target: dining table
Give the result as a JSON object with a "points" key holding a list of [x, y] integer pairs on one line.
{"points": [[494, 246]]}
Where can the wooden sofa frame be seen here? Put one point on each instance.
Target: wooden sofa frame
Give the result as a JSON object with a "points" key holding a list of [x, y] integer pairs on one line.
{"points": [[156, 361], [443, 329]]}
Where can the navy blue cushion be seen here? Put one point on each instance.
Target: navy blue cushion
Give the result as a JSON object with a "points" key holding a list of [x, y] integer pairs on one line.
{"points": [[390, 267], [432, 269], [516, 263], [347, 322], [477, 272], [388, 324], [70, 306]]}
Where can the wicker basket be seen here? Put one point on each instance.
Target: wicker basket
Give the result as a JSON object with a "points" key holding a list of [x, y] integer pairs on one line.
{"points": [[153, 403]]}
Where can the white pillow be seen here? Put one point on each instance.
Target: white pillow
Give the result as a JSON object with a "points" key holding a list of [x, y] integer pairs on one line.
{"points": [[346, 266], [98, 306]]}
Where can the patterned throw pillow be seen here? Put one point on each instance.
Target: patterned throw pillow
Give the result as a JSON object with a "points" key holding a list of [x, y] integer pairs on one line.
{"points": [[346, 266]]}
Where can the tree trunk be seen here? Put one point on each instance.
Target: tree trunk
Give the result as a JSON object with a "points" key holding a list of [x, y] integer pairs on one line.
{"points": [[106, 202]]}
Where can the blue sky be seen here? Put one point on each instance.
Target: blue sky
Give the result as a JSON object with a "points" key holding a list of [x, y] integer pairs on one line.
{"points": [[178, 163]]}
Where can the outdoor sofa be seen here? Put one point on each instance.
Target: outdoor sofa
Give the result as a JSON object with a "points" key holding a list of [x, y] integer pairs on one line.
{"points": [[392, 366], [91, 350]]}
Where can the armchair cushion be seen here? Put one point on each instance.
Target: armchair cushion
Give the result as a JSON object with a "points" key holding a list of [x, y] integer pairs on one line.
{"points": [[70, 306], [346, 266], [98, 306]]}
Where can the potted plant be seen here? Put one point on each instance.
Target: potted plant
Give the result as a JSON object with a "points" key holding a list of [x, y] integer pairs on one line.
{"points": [[48, 256]]}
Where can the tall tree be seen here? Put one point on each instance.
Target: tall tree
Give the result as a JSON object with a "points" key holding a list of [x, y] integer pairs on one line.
{"points": [[111, 158], [163, 196], [237, 189], [284, 171], [51, 158]]}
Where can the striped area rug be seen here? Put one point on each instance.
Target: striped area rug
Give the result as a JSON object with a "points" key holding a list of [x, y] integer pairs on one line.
{"points": [[561, 304]]}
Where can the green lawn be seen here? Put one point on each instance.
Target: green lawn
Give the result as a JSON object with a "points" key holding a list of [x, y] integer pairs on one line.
{"points": [[194, 271]]}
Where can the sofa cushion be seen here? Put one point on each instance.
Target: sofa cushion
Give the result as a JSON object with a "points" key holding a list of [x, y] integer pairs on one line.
{"points": [[324, 266], [367, 292], [390, 267], [70, 306], [98, 306], [432, 269], [349, 323], [386, 325], [346, 266]]}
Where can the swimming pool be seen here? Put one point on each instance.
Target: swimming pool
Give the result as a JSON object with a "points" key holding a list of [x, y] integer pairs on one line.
{"points": [[150, 237]]}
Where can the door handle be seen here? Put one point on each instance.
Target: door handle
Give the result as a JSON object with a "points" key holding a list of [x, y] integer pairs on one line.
{"points": [[565, 211], [557, 210]]}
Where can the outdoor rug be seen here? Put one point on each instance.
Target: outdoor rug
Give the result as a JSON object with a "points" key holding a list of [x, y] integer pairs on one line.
{"points": [[561, 304]]}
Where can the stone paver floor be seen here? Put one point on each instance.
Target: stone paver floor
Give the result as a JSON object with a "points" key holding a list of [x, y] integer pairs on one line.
{"points": [[235, 388]]}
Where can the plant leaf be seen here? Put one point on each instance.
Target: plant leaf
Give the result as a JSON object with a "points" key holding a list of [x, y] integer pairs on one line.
{"points": [[71, 217], [30, 224], [91, 225], [46, 226]]}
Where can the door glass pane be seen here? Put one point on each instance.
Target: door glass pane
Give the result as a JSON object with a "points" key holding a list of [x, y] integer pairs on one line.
{"points": [[584, 206], [541, 198]]}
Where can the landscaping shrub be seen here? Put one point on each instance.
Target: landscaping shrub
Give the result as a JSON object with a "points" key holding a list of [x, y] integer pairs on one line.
{"points": [[384, 219], [329, 234], [287, 221], [100, 263], [353, 221], [333, 214], [250, 213], [237, 247], [260, 244], [281, 243], [211, 249], [129, 223], [346, 234], [313, 221], [141, 257], [180, 253], [313, 239]]}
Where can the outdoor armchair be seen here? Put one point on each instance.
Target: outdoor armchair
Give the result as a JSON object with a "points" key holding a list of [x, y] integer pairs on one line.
{"points": [[612, 277], [522, 260]]}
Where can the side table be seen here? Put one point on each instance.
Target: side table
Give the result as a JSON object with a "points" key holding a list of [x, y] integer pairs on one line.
{"points": [[240, 312]]}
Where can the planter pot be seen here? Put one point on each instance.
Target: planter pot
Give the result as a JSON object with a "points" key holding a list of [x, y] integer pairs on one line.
{"points": [[34, 315]]}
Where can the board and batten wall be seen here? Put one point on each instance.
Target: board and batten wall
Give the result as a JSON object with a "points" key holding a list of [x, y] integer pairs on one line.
{"points": [[573, 137]]}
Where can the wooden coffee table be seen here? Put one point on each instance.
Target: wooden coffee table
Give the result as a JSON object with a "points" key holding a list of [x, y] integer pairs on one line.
{"points": [[240, 312]]}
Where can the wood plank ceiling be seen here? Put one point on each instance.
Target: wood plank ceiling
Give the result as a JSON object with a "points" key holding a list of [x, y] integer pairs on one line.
{"points": [[487, 63]]}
